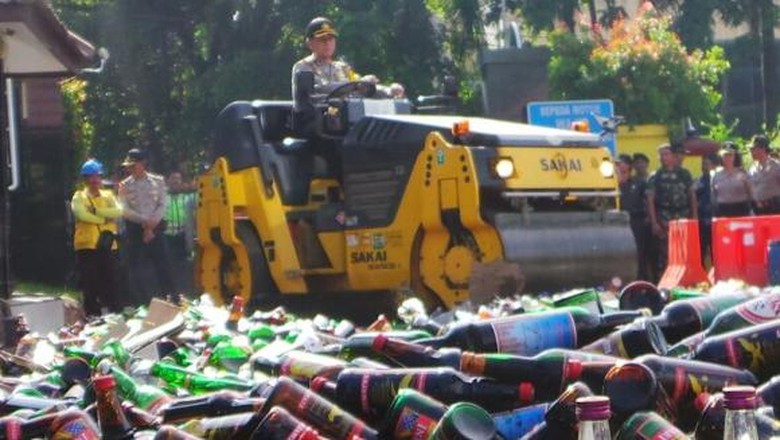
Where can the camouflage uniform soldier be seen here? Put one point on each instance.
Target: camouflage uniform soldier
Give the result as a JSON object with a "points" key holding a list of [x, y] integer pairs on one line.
{"points": [[670, 196]]}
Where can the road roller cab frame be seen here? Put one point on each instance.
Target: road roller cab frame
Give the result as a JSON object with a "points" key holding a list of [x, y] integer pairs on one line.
{"points": [[384, 200]]}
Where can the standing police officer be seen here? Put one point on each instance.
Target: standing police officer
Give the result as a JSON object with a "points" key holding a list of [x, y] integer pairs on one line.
{"points": [[764, 178]]}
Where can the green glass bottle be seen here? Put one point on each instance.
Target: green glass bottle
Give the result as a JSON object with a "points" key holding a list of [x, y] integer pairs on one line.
{"points": [[92, 358], [465, 421], [532, 333], [651, 426], [229, 356], [116, 351], [196, 383], [587, 299], [146, 397], [263, 332], [412, 415]]}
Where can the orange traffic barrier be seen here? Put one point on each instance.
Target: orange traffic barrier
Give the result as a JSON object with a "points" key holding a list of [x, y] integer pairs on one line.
{"points": [[739, 247], [684, 267]]}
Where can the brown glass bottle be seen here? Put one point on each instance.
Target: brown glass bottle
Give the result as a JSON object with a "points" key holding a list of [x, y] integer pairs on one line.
{"points": [[169, 432], [650, 426], [560, 420], [279, 424], [318, 412], [236, 312], [640, 337], [412, 415], [410, 355], [300, 365], [111, 418]]}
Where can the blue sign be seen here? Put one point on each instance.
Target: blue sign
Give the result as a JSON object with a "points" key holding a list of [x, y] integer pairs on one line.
{"points": [[561, 114]]}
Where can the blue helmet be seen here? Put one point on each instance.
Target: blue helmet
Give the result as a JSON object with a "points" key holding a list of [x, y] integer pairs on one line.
{"points": [[92, 168]]}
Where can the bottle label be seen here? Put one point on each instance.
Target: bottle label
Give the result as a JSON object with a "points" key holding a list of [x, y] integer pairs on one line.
{"points": [[76, 429], [655, 429], [319, 412], [533, 334], [761, 310], [515, 424], [708, 307], [413, 426]]}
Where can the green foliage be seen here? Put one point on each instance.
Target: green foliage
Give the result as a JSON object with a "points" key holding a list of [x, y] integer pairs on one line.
{"points": [[642, 67], [176, 63]]}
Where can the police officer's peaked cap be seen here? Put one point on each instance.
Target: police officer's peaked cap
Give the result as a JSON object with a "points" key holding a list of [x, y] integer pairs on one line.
{"points": [[134, 155], [320, 27]]}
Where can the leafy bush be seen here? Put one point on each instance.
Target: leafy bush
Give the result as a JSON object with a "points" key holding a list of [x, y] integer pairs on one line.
{"points": [[642, 66]]}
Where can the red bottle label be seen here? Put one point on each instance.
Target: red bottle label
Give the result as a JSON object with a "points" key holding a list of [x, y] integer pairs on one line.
{"points": [[654, 429], [412, 425], [532, 334]]}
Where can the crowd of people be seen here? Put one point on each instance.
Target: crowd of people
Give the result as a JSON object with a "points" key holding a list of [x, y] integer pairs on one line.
{"points": [[153, 219], [725, 189]]}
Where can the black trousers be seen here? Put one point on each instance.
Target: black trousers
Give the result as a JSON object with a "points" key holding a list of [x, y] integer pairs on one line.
{"points": [[767, 207], [643, 238], [98, 280], [148, 264], [732, 209]]}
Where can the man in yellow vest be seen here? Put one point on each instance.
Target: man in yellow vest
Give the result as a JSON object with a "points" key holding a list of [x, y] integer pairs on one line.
{"points": [[96, 212]]}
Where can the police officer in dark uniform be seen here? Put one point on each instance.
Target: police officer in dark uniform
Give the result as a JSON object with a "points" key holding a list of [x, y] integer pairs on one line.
{"points": [[632, 200], [670, 196]]}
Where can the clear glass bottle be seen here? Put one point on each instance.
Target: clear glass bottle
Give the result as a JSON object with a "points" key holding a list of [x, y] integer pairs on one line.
{"points": [[593, 415], [740, 403]]}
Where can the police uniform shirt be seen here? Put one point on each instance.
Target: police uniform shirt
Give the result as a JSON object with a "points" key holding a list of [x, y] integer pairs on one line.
{"points": [[324, 73], [730, 187], [144, 198], [670, 189], [765, 180]]}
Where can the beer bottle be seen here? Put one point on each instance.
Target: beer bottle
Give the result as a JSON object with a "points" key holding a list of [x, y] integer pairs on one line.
{"points": [[769, 394], [165, 347], [408, 354], [232, 426], [236, 313], [196, 383], [588, 299], [300, 365], [637, 338], [359, 344], [147, 397], [73, 423], [114, 349], [318, 412], [651, 426], [639, 295], [412, 415], [229, 356], [686, 317], [11, 428], [111, 419], [140, 419], [370, 392], [712, 422], [220, 403], [759, 310], [262, 332], [324, 387], [560, 420], [279, 424], [532, 333], [593, 418], [549, 372], [169, 432], [464, 421], [683, 380], [17, 401], [631, 388], [755, 348]]}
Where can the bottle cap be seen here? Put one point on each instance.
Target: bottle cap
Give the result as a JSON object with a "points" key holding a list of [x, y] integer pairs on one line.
{"points": [[379, 343], [593, 408], [739, 397], [104, 383]]}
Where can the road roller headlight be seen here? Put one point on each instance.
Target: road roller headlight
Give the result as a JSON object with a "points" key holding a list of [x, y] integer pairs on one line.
{"points": [[504, 168], [607, 168]]}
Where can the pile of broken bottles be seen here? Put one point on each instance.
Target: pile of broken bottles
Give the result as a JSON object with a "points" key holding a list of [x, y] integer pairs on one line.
{"points": [[642, 364]]}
